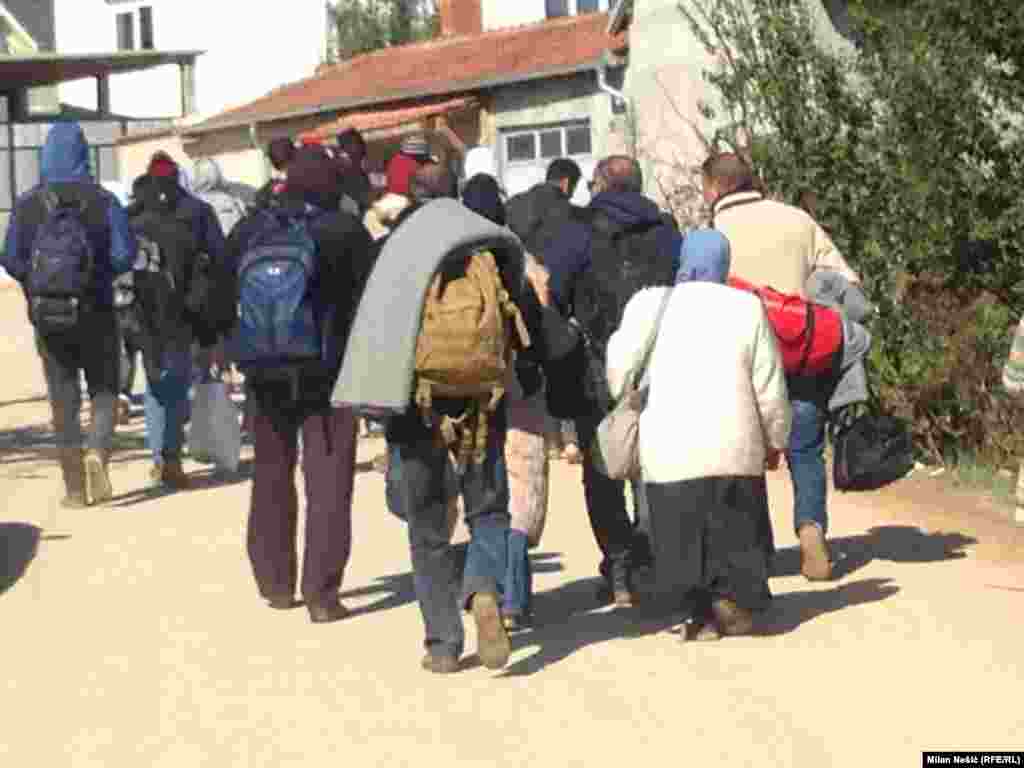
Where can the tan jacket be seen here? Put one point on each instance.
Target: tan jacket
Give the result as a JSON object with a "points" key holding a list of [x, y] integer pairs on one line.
{"points": [[774, 244]]}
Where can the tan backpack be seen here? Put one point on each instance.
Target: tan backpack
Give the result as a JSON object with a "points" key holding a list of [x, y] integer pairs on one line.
{"points": [[464, 351]]}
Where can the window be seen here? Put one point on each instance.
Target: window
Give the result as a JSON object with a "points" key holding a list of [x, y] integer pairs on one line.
{"points": [[125, 31], [557, 8], [531, 145], [141, 19], [551, 144], [577, 139], [521, 147], [146, 28]]}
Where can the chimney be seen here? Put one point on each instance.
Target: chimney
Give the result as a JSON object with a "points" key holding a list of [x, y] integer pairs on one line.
{"points": [[460, 17]]}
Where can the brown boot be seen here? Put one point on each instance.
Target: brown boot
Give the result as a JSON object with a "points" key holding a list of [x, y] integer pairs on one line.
{"points": [[97, 479], [72, 470], [731, 619], [172, 475], [814, 560], [493, 646]]}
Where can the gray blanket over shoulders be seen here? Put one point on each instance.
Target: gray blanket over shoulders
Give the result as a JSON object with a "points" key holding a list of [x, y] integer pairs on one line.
{"points": [[826, 286], [380, 358]]}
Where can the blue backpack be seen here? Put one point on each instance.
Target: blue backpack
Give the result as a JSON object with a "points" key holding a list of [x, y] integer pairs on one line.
{"points": [[280, 321], [62, 276]]}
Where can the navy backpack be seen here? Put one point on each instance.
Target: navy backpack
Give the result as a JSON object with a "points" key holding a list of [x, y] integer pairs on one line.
{"points": [[61, 280], [279, 334]]}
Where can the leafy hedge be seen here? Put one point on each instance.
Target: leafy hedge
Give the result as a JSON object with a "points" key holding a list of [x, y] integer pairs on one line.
{"points": [[913, 146]]}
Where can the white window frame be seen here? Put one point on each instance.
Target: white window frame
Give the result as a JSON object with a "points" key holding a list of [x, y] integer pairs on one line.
{"points": [[573, 5], [134, 8], [536, 130]]}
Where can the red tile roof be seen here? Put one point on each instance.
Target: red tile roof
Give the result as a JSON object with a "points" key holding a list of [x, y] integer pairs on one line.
{"points": [[392, 117], [437, 67]]}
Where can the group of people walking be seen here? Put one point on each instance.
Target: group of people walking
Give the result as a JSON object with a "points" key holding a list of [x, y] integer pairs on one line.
{"points": [[325, 295]]}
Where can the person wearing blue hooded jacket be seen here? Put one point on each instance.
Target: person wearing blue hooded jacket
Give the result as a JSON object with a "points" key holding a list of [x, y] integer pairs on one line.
{"points": [[91, 345], [619, 220]]}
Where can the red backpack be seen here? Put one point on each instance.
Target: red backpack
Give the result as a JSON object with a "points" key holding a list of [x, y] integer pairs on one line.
{"points": [[810, 335]]}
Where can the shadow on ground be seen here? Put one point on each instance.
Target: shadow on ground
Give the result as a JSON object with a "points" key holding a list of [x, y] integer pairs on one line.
{"points": [[19, 543], [568, 619], [201, 480], [397, 590], [895, 543]]}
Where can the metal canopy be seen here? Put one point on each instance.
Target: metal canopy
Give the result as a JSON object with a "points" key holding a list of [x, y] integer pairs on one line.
{"points": [[17, 72]]}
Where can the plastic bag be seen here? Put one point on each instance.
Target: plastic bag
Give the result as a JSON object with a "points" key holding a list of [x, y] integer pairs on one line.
{"points": [[215, 434]]}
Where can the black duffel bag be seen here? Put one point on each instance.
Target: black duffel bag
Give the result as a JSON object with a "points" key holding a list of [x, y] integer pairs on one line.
{"points": [[871, 448]]}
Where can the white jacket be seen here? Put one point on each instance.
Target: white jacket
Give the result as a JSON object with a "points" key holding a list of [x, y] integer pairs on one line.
{"points": [[718, 389]]}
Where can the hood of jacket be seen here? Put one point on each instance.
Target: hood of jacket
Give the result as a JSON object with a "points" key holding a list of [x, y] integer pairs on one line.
{"points": [[627, 208], [207, 176], [65, 155]]}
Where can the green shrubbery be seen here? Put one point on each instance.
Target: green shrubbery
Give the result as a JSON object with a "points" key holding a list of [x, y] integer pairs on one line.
{"points": [[913, 146]]}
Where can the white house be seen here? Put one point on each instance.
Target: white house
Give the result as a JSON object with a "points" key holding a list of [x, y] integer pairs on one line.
{"points": [[248, 49], [509, 13]]}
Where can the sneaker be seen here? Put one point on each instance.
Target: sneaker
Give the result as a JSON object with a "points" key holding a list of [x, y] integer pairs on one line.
{"points": [[814, 560], [97, 481], [493, 646]]}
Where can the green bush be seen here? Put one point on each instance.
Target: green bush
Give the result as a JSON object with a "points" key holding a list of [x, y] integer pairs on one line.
{"points": [[913, 146]]}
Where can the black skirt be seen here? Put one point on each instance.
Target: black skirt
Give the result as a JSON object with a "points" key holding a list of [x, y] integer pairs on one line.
{"points": [[712, 535]]}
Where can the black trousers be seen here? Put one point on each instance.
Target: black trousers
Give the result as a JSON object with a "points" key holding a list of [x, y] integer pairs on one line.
{"points": [[606, 502], [712, 538]]}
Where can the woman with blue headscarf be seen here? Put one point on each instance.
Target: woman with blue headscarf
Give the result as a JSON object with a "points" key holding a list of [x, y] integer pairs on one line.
{"points": [[717, 414]]}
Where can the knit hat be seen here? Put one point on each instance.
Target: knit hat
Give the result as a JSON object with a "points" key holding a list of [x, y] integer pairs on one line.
{"points": [[416, 146], [400, 172], [706, 257], [162, 165]]}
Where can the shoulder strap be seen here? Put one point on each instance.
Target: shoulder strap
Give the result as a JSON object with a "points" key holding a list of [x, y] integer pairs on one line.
{"points": [[641, 371]]}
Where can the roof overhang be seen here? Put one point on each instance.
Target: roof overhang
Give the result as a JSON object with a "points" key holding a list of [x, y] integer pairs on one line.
{"points": [[619, 16], [49, 68], [446, 89], [396, 116]]}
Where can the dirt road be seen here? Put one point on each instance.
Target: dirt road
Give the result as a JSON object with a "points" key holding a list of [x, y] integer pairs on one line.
{"points": [[132, 637]]}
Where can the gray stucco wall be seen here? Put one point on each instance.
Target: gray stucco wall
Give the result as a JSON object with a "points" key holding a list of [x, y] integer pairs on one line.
{"points": [[665, 84], [553, 101]]}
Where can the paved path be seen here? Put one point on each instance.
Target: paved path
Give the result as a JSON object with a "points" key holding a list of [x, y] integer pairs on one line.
{"points": [[134, 638]]}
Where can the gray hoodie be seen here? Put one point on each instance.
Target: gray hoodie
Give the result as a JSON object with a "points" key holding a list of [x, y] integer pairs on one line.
{"points": [[208, 185]]}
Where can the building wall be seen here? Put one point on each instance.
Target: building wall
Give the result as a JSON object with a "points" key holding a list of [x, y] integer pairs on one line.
{"points": [[248, 51], [550, 103], [503, 13], [510, 13], [664, 83]]}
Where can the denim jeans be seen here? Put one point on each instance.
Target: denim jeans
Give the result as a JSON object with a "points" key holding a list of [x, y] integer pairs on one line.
{"points": [[419, 491], [518, 584], [806, 459], [167, 406]]}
